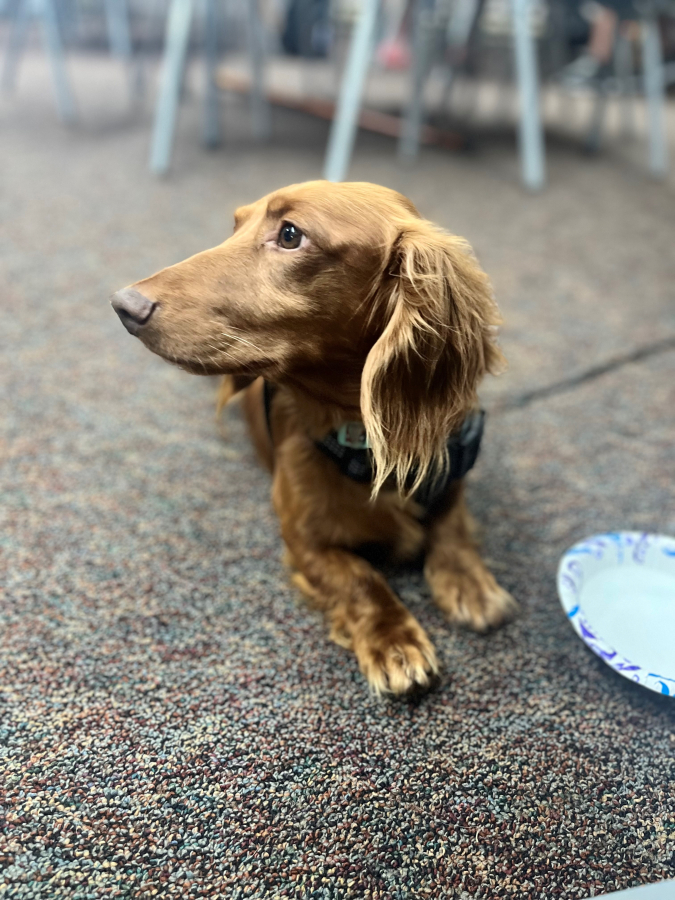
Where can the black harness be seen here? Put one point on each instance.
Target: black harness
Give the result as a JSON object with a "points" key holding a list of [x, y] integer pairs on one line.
{"points": [[357, 462]]}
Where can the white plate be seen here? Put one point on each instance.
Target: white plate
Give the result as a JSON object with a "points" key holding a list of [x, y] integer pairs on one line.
{"points": [[618, 591]]}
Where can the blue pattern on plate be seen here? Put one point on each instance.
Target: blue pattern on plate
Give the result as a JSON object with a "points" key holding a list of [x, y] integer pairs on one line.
{"points": [[632, 547], [664, 687]]}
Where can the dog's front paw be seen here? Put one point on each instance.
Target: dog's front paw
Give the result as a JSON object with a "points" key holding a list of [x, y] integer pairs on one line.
{"points": [[395, 658], [472, 597]]}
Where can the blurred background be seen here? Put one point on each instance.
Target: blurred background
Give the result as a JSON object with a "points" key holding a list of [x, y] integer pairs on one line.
{"points": [[456, 74]]}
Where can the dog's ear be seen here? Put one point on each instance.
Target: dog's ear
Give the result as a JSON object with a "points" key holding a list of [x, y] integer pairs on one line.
{"points": [[438, 340]]}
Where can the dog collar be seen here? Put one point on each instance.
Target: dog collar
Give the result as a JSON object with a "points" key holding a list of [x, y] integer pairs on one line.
{"points": [[463, 447], [349, 449]]}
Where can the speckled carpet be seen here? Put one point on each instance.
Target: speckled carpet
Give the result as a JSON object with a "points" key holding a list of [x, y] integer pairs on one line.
{"points": [[174, 721]]}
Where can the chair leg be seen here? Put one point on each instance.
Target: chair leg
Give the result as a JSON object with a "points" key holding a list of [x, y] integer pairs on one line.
{"points": [[176, 41], [409, 141], [449, 81], [625, 76], [345, 122], [461, 26], [119, 40], [594, 137], [531, 137], [64, 96], [212, 133], [260, 111], [16, 43], [654, 84], [117, 21]]}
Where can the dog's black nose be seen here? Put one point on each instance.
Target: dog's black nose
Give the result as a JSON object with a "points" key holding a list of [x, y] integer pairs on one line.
{"points": [[133, 309]]}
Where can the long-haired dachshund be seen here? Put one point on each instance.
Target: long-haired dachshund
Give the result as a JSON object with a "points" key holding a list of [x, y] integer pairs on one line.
{"points": [[359, 332]]}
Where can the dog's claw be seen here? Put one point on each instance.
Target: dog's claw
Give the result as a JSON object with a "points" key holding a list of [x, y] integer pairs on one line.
{"points": [[401, 661]]}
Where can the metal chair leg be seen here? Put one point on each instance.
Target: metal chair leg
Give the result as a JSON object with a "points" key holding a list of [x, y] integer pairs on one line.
{"points": [[260, 111], [177, 36], [212, 133], [16, 43], [64, 96], [409, 141], [531, 137], [345, 123], [117, 21], [654, 83], [625, 76], [594, 137], [119, 40]]}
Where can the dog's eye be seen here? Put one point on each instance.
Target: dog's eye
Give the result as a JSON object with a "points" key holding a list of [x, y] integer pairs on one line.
{"points": [[290, 237]]}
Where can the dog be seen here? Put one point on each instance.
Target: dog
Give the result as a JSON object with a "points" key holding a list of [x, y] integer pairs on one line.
{"points": [[358, 333]]}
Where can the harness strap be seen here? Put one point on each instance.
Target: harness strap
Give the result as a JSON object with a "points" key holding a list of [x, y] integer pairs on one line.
{"points": [[357, 463], [268, 393]]}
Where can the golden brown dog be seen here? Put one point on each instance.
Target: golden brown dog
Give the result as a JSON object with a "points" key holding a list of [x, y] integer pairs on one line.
{"points": [[356, 310]]}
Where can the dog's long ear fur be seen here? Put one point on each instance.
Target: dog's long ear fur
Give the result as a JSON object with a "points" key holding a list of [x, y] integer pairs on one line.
{"points": [[420, 377]]}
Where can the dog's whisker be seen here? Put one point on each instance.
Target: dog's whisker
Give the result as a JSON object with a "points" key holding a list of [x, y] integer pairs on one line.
{"points": [[234, 337]]}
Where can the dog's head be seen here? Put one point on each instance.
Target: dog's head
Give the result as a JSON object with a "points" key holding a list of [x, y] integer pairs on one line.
{"points": [[346, 292]]}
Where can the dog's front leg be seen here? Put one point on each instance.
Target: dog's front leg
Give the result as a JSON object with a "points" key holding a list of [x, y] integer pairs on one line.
{"points": [[461, 584], [364, 615], [392, 648]]}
